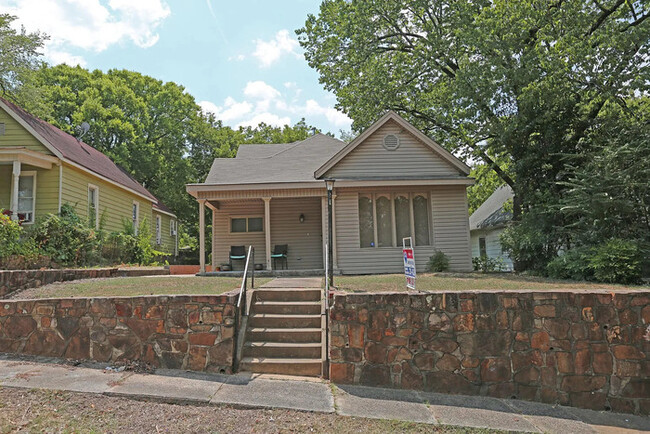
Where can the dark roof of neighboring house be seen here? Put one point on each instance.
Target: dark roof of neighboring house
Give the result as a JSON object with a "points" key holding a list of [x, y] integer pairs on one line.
{"points": [[162, 207], [491, 213], [79, 152], [285, 162]]}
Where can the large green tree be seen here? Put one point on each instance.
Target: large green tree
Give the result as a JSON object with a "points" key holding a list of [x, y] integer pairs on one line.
{"points": [[525, 80], [19, 55]]}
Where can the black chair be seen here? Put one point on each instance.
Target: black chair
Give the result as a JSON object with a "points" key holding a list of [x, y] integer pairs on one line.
{"points": [[237, 253], [280, 253]]}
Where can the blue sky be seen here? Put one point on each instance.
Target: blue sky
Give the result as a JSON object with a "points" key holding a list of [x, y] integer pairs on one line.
{"points": [[240, 59]]}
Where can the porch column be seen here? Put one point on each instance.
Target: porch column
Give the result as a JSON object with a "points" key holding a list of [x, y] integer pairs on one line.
{"points": [[214, 245], [267, 231], [323, 209], [15, 178], [202, 235], [335, 259]]}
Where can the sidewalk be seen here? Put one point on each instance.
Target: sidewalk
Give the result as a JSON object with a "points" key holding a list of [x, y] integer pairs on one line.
{"points": [[254, 391]]}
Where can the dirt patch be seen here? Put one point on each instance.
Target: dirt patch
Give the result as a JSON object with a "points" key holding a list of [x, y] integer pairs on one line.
{"points": [[46, 411]]}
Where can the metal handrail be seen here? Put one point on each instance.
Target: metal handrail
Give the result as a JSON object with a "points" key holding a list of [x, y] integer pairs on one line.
{"points": [[242, 288]]}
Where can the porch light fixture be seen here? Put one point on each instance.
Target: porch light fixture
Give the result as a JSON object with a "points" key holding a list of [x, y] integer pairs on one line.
{"points": [[301, 218], [329, 183]]}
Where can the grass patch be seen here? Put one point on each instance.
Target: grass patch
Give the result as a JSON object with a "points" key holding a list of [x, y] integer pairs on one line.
{"points": [[437, 282], [134, 286]]}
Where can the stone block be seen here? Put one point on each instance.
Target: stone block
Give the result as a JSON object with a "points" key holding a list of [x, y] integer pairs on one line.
{"points": [[375, 375], [464, 322], [582, 383], [485, 344], [627, 352], [375, 352], [448, 363], [544, 310], [424, 361], [356, 334], [541, 341], [342, 373], [496, 370], [206, 339], [602, 363], [527, 375]]}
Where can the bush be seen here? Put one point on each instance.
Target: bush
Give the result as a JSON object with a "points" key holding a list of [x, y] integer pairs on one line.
{"points": [[65, 238], [10, 232], [573, 264], [439, 262], [16, 249], [616, 261], [485, 264]]}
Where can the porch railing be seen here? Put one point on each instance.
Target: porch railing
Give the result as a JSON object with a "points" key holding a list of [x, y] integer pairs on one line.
{"points": [[243, 307], [325, 320]]}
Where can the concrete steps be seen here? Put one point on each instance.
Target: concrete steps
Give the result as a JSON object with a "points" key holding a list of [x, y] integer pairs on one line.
{"points": [[284, 332]]}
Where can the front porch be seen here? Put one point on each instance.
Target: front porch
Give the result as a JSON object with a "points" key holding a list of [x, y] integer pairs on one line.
{"points": [[297, 219]]}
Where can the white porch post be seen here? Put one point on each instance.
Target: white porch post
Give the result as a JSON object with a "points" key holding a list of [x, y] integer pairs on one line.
{"points": [[323, 209], [214, 245], [15, 177], [267, 231], [335, 259], [202, 236]]}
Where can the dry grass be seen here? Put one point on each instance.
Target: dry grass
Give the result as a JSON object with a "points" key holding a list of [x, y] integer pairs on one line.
{"points": [[133, 286], [437, 282], [47, 411]]}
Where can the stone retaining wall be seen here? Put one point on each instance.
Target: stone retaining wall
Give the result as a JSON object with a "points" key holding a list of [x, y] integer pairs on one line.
{"points": [[14, 280], [177, 332], [588, 350]]}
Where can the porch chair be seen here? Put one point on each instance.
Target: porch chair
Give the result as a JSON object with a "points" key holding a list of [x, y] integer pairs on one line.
{"points": [[280, 253], [237, 253]]}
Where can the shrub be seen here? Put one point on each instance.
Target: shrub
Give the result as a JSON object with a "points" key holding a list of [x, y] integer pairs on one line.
{"points": [[10, 232], [439, 262], [616, 261], [486, 264], [573, 264], [16, 249], [65, 238]]}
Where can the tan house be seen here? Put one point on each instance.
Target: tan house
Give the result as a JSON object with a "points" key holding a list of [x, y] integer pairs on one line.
{"points": [[391, 182]]}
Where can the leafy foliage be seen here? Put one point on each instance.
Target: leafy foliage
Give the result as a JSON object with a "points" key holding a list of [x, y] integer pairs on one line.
{"points": [[13, 242], [65, 238], [439, 262], [616, 261], [485, 264], [19, 55], [573, 265]]}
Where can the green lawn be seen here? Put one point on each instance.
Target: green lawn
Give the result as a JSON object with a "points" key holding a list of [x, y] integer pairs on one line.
{"points": [[464, 282], [132, 286]]}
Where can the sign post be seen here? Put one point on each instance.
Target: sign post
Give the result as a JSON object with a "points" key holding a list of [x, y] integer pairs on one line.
{"points": [[409, 262]]}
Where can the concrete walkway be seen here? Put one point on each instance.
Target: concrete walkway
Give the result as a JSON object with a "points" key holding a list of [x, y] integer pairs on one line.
{"points": [[294, 282], [257, 391]]}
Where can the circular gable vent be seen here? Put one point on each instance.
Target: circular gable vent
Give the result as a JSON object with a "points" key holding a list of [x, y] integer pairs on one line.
{"points": [[391, 142]]}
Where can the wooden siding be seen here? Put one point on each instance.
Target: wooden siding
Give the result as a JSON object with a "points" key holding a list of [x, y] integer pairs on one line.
{"points": [[304, 239], [16, 135], [492, 246], [449, 225], [47, 188], [223, 239], [168, 243], [115, 204], [370, 159]]}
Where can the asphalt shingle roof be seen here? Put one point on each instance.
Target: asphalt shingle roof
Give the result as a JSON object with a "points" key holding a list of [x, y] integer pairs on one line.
{"points": [[491, 212], [78, 151], [285, 162]]}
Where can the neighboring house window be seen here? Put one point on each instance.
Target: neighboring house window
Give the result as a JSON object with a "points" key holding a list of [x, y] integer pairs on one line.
{"points": [[246, 224], [135, 216], [172, 228], [93, 206], [26, 196], [2, 129], [482, 248], [158, 230], [385, 219]]}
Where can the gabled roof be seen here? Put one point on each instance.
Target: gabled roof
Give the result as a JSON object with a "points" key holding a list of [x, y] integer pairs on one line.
{"points": [[391, 115], [491, 212], [73, 151], [275, 163], [161, 207]]}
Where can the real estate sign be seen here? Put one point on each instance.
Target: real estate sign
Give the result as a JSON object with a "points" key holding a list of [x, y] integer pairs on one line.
{"points": [[409, 263]]}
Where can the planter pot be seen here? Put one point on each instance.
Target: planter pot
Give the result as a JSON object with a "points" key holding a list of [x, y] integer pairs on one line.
{"points": [[225, 267]]}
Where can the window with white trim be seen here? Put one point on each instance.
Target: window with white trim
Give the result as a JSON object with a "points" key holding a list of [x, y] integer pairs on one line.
{"points": [[158, 230], [26, 197], [172, 228], [385, 219], [93, 206], [135, 216], [246, 224]]}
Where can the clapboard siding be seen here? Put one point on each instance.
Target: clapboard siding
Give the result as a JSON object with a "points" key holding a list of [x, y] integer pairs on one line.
{"points": [[450, 235], [115, 204], [47, 188], [5, 186], [223, 239], [412, 158], [16, 135], [304, 239], [492, 246], [168, 243]]}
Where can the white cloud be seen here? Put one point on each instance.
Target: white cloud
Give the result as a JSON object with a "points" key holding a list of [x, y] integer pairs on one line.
{"points": [[260, 90], [90, 25], [269, 52], [264, 103]]}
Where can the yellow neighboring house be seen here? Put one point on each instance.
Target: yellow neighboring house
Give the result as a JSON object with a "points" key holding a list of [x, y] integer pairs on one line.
{"points": [[42, 167]]}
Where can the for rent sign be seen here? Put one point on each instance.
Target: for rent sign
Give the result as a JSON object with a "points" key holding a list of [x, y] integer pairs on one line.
{"points": [[409, 262]]}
